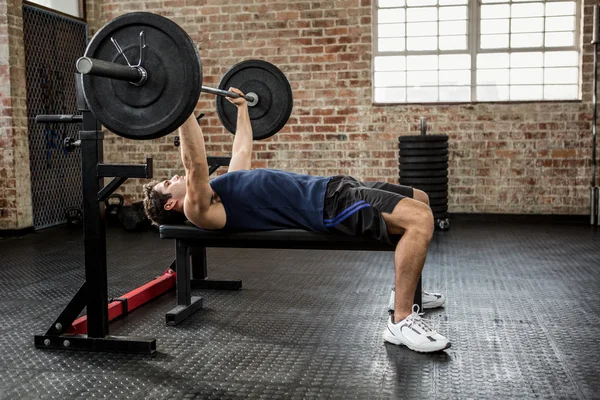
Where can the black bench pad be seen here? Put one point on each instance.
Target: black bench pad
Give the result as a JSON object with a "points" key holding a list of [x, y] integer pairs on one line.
{"points": [[280, 239]]}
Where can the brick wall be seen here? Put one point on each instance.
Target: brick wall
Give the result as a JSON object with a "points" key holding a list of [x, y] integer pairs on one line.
{"points": [[505, 158], [15, 187]]}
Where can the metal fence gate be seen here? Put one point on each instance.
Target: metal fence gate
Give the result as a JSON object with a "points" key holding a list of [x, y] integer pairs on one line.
{"points": [[52, 45]]}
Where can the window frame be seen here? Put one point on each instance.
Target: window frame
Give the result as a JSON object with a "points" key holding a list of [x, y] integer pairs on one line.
{"points": [[474, 49]]}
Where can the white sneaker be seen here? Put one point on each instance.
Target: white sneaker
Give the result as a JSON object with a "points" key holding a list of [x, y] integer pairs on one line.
{"points": [[414, 333], [429, 300]]}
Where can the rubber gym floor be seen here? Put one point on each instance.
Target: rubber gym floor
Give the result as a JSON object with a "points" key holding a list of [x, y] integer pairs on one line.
{"points": [[523, 315]]}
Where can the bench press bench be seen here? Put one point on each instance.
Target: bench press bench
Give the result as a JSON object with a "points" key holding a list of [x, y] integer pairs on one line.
{"points": [[191, 265]]}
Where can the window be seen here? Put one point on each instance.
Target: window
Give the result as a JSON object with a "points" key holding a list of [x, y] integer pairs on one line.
{"points": [[74, 8], [475, 50]]}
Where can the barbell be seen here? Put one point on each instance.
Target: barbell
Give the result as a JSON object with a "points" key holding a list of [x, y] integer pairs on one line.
{"points": [[152, 96]]}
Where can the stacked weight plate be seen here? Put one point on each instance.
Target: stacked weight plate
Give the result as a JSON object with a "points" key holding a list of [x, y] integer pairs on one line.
{"points": [[424, 165]]}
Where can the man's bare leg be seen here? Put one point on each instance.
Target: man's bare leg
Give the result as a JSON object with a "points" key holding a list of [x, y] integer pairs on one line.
{"points": [[414, 221]]}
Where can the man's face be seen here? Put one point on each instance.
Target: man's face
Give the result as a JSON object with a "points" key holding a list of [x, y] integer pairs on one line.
{"points": [[175, 187]]}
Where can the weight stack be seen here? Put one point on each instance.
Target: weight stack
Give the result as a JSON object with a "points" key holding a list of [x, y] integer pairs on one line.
{"points": [[424, 165]]}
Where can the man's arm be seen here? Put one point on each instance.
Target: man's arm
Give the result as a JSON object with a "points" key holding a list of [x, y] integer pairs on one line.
{"points": [[193, 154], [241, 154]]}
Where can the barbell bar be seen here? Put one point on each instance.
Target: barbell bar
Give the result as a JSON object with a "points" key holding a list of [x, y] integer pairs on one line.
{"points": [[137, 75]]}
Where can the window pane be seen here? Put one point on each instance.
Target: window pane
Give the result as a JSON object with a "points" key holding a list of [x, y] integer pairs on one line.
{"points": [[422, 78], [494, 60], [395, 63], [426, 94], [453, 27], [422, 43], [527, 40], [452, 13], [455, 61], [494, 41], [421, 29], [390, 95], [527, 25], [390, 44], [527, 10], [391, 79], [496, 11], [391, 3], [524, 76], [561, 92], [455, 93], [560, 24], [422, 63], [493, 77], [560, 8], [520, 60], [492, 93], [557, 39], [390, 15], [561, 59], [528, 92], [391, 30], [494, 26], [453, 42], [452, 2], [455, 78], [414, 3], [561, 75], [422, 14]]}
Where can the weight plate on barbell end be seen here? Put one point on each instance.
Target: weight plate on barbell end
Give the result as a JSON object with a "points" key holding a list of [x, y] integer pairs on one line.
{"points": [[423, 181], [439, 209], [424, 174], [423, 160], [422, 145], [423, 138], [423, 153], [172, 90], [423, 167], [442, 215], [275, 100]]}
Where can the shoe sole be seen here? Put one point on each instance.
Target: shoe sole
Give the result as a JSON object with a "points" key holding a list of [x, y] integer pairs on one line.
{"points": [[394, 340]]}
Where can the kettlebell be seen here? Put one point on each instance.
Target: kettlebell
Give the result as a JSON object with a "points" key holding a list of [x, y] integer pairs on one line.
{"points": [[113, 203]]}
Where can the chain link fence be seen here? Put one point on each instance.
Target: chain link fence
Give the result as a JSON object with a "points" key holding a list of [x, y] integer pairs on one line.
{"points": [[52, 45]]}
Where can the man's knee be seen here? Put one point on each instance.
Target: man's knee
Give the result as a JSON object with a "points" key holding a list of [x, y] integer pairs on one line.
{"points": [[421, 196], [413, 216]]}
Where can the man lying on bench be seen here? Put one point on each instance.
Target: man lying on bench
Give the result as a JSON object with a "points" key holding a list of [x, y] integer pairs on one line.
{"points": [[267, 199]]}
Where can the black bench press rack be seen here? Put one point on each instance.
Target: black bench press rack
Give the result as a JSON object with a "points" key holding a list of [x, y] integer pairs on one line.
{"points": [[93, 294]]}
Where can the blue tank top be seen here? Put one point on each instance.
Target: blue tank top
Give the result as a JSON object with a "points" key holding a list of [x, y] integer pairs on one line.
{"points": [[269, 199]]}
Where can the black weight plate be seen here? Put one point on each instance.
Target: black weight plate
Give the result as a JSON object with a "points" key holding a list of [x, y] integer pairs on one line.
{"points": [[442, 215], [439, 209], [423, 160], [429, 188], [171, 92], [438, 202], [424, 174], [423, 181], [422, 145], [423, 138], [275, 103], [423, 167], [438, 196], [422, 153]]}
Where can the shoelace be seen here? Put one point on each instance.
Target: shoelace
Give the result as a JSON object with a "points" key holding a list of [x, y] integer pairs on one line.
{"points": [[415, 319]]}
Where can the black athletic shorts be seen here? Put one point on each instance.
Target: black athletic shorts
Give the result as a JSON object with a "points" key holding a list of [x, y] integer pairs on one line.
{"points": [[354, 208]]}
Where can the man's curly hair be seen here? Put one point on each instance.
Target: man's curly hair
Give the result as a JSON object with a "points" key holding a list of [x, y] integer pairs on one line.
{"points": [[154, 205]]}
